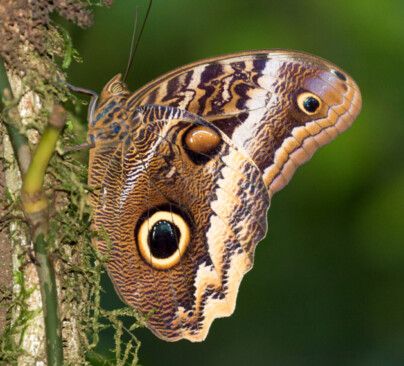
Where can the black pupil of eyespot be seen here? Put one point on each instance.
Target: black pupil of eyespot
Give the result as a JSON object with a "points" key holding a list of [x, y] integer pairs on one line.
{"points": [[311, 104], [163, 239]]}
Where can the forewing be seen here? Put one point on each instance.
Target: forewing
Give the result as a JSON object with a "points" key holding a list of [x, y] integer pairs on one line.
{"points": [[253, 97]]}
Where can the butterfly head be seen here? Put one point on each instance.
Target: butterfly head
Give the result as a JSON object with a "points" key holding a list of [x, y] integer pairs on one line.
{"points": [[114, 91]]}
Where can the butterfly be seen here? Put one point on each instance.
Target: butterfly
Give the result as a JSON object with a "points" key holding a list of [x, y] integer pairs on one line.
{"points": [[184, 170]]}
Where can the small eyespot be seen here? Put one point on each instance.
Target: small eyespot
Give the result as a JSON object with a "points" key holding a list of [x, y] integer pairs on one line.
{"points": [[162, 239], [201, 143], [202, 140], [339, 75], [116, 88], [308, 103]]}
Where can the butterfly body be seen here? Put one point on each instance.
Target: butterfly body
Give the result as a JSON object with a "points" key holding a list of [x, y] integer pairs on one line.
{"points": [[187, 165]]}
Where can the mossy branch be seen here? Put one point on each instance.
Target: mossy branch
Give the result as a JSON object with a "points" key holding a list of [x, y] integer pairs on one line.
{"points": [[36, 210], [60, 232], [12, 122]]}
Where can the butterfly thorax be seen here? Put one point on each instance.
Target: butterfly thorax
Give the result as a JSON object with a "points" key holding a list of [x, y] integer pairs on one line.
{"points": [[111, 119]]}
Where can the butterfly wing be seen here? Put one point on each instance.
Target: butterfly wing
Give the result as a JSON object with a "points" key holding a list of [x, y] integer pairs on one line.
{"points": [[183, 218], [257, 99], [215, 208]]}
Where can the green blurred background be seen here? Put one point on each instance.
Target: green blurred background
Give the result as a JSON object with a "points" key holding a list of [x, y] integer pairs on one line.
{"points": [[327, 287]]}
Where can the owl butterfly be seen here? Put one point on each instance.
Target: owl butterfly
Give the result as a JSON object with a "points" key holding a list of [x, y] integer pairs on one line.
{"points": [[185, 168]]}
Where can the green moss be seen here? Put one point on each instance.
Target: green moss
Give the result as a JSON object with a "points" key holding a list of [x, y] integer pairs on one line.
{"points": [[77, 265]]}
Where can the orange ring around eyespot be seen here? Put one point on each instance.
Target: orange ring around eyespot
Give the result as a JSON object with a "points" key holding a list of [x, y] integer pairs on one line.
{"points": [[143, 239]]}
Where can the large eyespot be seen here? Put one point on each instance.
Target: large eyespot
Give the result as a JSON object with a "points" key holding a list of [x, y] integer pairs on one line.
{"points": [[116, 88], [163, 238], [309, 103], [201, 143]]}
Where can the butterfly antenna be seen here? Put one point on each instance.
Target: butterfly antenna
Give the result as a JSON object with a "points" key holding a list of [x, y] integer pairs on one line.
{"points": [[134, 48]]}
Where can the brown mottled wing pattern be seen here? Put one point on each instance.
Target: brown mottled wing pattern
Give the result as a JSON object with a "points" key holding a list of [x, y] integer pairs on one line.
{"points": [[252, 98], [270, 110], [224, 201]]}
